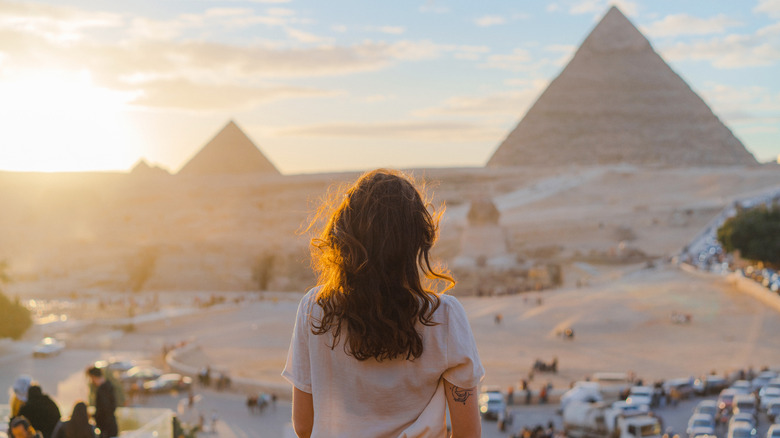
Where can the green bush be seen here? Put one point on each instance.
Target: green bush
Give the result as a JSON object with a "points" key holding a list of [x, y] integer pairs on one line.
{"points": [[755, 233], [16, 318]]}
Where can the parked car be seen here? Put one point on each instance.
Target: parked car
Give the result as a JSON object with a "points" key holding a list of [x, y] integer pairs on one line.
{"points": [[773, 411], [681, 385], [48, 347], [140, 374], [771, 394], [774, 383], [745, 403], [742, 386], [762, 379], [168, 382], [629, 409], [700, 424], [491, 404], [710, 384], [743, 417], [726, 398], [121, 366], [774, 431], [709, 407], [741, 430], [640, 395]]}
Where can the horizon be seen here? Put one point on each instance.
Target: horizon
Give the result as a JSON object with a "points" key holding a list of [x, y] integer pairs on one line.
{"points": [[338, 88]]}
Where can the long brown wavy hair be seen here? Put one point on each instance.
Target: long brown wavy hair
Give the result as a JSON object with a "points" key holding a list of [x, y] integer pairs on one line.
{"points": [[370, 256]]}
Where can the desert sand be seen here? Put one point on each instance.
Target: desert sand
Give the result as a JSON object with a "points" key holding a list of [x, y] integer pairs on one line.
{"points": [[66, 233]]}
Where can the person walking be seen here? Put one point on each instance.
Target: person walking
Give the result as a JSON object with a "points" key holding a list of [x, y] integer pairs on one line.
{"points": [[374, 352], [78, 426], [105, 403], [41, 411]]}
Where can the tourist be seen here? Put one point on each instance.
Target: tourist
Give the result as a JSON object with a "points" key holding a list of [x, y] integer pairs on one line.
{"points": [[373, 352], [41, 411], [21, 428], [77, 427], [18, 394], [105, 403]]}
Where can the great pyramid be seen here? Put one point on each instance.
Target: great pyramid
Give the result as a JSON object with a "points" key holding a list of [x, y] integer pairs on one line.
{"points": [[617, 101], [229, 152]]}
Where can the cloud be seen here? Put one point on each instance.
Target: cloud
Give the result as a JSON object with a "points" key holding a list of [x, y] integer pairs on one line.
{"points": [[375, 98], [684, 24], [769, 7], [510, 102], [490, 20], [435, 131], [518, 60], [731, 51], [304, 37], [430, 6], [60, 23], [599, 7], [746, 104], [390, 30], [188, 95]]}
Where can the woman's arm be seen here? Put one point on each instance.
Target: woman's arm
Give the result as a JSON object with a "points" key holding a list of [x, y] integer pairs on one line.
{"points": [[464, 411], [302, 413]]}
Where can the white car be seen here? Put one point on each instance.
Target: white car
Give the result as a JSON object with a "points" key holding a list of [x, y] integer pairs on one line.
{"points": [[709, 407], [628, 409], [742, 386], [774, 431], [48, 347], [492, 404], [771, 395], [741, 430], [640, 395], [774, 383], [747, 418], [701, 424]]}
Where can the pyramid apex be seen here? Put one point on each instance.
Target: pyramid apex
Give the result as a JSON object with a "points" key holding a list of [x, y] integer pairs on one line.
{"points": [[615, 32]]}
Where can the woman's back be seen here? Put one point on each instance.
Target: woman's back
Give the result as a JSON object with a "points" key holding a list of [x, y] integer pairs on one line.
{"points": [[376, 344]]}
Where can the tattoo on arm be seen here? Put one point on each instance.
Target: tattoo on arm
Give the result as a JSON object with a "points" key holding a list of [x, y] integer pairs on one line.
{"points": [[460, 394]]}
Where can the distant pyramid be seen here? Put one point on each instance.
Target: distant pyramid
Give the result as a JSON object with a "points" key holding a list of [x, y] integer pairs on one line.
{"points": [[143, 169], [229, 152], [617, 101]]}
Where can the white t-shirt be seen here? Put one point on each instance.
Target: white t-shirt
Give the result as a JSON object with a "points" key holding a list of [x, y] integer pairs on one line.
{"points": [[368, 398]]}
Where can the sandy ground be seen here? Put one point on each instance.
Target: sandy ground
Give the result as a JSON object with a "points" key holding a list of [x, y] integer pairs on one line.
{"points": [[621, 324]]}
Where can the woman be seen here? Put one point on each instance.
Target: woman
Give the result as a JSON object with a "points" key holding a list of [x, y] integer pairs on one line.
{"points": [[18, 394], [374, 353], [78, 426]]}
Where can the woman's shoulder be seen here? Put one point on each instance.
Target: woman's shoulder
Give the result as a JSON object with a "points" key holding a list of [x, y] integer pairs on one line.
{"points": [[449, 307]]}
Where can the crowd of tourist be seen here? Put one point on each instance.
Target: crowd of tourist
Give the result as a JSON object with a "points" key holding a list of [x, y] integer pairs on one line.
{"points": [[33, 414]]}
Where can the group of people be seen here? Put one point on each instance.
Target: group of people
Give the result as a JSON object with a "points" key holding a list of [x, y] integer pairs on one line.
{"points": [[33, 414]]}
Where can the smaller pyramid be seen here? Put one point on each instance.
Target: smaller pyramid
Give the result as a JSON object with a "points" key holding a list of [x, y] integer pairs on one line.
{"points": [[143, 169], [230, 152]]}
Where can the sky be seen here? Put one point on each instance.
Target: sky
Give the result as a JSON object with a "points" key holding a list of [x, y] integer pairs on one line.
{"points": [[338, 85]]}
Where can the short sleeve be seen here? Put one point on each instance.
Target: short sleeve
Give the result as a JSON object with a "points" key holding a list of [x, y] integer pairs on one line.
{"points": [[464, 369], [297, 370]]}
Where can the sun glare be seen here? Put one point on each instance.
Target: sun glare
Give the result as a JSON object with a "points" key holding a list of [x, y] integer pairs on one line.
{"points": [[62, 121]]}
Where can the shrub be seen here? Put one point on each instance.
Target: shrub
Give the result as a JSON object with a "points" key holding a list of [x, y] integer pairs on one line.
{"points": [[755, 233]]}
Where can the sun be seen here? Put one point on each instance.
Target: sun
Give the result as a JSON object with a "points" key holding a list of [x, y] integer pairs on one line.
{"points": [[57, 120]]}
